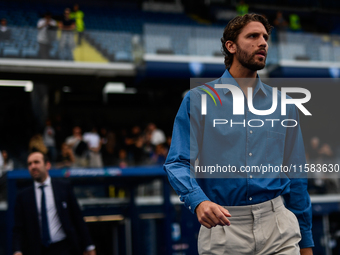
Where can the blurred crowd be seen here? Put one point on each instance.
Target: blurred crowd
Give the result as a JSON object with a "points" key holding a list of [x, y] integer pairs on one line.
{"points": [[69, 23], [103, 147], [92, 147], [321, 156], [318, 152], [280, 23], [6, 164]]}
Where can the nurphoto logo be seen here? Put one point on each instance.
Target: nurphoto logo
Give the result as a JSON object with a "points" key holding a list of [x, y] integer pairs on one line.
{"points": [[238, 100]]}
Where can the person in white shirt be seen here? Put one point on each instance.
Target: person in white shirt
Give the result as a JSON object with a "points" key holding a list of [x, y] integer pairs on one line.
{"points": [[6, 164], [5, 32], [157, 135], [46, 34], [79, 147], [49, 141], [94, 143]]}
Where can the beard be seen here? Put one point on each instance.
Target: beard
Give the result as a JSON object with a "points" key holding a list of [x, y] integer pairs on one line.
{"points": [[38, 176], [38, 179], [248, 60]]}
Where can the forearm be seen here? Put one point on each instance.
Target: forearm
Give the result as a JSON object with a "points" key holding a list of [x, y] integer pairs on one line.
{"points": [[183, 151], [306, 251]]}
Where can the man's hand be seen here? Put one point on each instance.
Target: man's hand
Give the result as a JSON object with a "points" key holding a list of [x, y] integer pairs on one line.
{"points": [[306, 251], [210, 214], [92, 252]]}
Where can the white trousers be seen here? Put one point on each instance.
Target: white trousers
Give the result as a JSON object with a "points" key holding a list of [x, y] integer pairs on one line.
{"points": [[267, 228]]}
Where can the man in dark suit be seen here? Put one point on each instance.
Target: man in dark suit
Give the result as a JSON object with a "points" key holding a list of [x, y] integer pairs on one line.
{"points": [[48, 220]]}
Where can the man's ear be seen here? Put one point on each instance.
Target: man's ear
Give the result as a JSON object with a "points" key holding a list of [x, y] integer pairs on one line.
{"points": [[48, 165], [231, 46]]}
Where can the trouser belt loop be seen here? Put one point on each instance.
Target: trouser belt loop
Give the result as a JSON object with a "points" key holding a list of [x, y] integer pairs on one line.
{"points": [[273, 205]]}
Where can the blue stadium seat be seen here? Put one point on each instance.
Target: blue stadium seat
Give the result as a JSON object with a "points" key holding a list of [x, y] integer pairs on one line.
{"points": [[11, 52], [29, 53], [122, 56]]}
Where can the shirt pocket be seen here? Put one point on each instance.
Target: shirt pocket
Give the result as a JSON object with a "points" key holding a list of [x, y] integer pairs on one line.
{"points": [[275, 147]]}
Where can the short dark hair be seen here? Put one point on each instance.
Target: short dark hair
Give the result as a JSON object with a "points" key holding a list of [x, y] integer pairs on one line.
{"points": [[45, 157], [234, 28]]}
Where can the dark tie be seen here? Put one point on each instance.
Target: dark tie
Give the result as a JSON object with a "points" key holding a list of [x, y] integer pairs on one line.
{"points": [[45, 232]]}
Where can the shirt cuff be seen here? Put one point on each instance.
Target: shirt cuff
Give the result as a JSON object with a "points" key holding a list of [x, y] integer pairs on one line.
{"points": [[90, 248], [193, 199], [306, 239]]}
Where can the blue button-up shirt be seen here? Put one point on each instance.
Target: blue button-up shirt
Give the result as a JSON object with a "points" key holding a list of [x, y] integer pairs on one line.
{"points": [[238, 143]]}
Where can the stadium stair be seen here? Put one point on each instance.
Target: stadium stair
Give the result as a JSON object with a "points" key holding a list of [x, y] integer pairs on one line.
{"points": [[87, 53]]}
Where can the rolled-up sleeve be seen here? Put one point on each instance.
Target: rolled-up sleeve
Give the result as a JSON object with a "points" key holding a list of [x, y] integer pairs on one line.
{"points": [[183, 152], [298, 200]]}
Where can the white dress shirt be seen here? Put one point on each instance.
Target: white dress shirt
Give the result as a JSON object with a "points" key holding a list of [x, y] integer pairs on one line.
{"points": [[48, 136], [92, 139], [43, 33], [157, 137], [56, 231]]}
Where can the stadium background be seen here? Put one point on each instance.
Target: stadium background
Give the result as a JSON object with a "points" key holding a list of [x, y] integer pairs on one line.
{"points": [[152, 48]]}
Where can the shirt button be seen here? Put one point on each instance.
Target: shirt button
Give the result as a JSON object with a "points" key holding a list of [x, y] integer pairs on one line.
{"points": [[251, 177], [250, 198], [189, 207], [250, 154], [251, 131]]}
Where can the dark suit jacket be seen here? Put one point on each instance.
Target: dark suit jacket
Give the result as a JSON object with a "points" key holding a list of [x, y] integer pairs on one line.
{"points": [[26, 231]]}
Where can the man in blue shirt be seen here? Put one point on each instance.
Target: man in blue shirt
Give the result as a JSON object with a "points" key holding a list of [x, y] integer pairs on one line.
{"points": [[241, 211]]}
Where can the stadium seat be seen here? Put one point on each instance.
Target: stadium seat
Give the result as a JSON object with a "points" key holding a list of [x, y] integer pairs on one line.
{"points": [[11, 52]]}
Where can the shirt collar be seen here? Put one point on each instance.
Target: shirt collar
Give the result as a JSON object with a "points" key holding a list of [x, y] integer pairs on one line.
{"points": [[228, 79], [47, 182]]}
